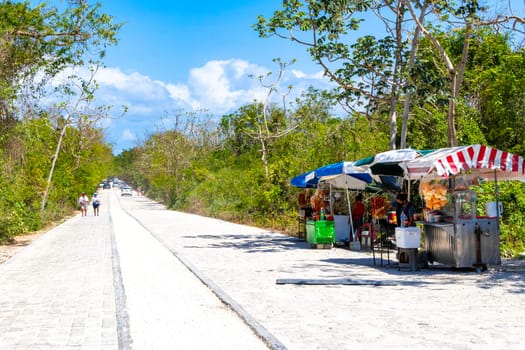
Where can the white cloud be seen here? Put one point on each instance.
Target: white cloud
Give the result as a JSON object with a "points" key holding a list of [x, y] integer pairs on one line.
{"points": [[134, 84], [180, 92], [219, 86], [302, 75], [212, 85]]}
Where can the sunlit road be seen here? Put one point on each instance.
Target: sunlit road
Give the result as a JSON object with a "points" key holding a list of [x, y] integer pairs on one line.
{"points": [[142, 277]]}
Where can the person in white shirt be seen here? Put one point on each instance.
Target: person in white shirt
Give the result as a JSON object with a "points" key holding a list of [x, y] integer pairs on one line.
{"points": [[83, 202]]}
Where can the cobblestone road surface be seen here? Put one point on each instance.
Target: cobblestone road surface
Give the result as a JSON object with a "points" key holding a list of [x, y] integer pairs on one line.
{"points": [[142, 277]]}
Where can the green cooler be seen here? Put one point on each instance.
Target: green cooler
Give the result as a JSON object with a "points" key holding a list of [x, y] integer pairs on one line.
{"points": [[320, 232]]}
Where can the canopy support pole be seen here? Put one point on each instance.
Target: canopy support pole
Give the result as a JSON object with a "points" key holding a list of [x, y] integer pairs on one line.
{"points": [[330, 198], [350, 214], [496, 189]]}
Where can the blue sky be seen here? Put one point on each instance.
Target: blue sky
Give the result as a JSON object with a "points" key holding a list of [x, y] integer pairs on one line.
{"points": [[178, 56], [184, 56]]}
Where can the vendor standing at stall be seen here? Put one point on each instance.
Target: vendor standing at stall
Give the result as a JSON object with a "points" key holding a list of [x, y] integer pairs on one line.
{"points": [[316, 201], [358, 211], [403, 206]]}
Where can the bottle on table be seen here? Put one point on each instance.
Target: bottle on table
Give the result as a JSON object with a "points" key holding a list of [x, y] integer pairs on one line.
{"points": [[403, 219]]}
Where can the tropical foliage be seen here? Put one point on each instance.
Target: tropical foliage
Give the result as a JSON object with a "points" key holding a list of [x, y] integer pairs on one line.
{"points": [[51, 152], [238, 177], [454, 74]]}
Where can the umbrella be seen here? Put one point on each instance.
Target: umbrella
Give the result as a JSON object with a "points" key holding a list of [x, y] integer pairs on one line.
{"points": [[341, 173], [344, 181], [306, 180], [478, 160]]}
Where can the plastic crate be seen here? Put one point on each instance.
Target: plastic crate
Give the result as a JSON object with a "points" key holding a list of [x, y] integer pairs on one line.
{"points": [[320, 232]]}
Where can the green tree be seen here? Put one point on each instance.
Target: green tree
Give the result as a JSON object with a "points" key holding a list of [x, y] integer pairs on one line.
{"points": [[50, 152], [370, 71], [44, 39], [467, 17], [375, 73], [495, 88]]}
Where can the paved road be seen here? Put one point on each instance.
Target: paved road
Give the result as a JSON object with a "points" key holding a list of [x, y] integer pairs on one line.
{"points": [[142, 277]]}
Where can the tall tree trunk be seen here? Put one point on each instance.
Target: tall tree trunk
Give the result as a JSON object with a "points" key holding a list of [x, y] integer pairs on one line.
{"points": [[452, 140], [411, 63], [455, 74], [393, 124], [264, 157], [394, 99], [52, 168]]}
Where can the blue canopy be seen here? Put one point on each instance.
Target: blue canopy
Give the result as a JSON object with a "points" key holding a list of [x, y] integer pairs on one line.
{"points": [[306, 180], [311, 178]]}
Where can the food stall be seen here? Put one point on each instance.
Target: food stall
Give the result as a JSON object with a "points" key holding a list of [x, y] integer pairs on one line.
{"points": [[455, 233], [332, 184]]}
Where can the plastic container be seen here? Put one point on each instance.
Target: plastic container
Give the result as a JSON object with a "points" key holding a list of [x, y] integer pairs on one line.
{"points": [[403, 218], [491, 209], [320, 232], [408, 237]]}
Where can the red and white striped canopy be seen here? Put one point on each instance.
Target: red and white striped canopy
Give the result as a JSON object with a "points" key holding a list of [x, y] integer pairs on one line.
{"points": [[478, 160]]}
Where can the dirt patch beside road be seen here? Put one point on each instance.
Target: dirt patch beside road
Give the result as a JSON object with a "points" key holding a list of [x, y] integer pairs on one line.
{"points": [[8, 250]]}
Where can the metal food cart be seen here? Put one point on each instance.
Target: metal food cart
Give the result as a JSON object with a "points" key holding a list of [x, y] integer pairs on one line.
{"points": [[454, 232], [463, 239]]}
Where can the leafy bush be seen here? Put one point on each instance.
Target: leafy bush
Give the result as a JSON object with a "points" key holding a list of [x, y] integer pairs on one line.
{"points": [[512, 224]]}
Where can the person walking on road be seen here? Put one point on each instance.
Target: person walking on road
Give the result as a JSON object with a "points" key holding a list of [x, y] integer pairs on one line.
{"points": [[95, 201], [83, 202]]}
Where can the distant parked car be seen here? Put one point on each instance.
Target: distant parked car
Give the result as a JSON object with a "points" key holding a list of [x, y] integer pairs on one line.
{"points": [[125, 191], [106, 186]]}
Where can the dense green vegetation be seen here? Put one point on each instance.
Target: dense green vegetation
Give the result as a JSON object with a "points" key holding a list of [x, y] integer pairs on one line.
{"points": [[50, 152], [460, 86], [238, 166]]}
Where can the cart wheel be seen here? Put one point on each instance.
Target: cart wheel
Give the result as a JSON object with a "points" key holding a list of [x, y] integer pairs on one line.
{"points": [[423, 259]]}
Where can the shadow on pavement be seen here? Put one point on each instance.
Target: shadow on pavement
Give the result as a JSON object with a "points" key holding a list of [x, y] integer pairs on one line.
{"points": [[439, 275], [250, 243]]}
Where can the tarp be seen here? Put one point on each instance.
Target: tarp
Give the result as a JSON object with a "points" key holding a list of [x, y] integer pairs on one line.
{"points": [[477, 160], [389, 162]]}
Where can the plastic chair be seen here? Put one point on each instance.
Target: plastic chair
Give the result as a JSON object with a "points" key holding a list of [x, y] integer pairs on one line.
{"points": [[372, 234]]}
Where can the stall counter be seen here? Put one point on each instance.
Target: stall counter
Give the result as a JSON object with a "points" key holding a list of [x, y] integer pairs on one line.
{"points": [[456, 243]]}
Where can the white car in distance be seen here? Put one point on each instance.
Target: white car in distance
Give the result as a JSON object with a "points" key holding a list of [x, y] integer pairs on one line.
{"points": [[125, 191]]}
